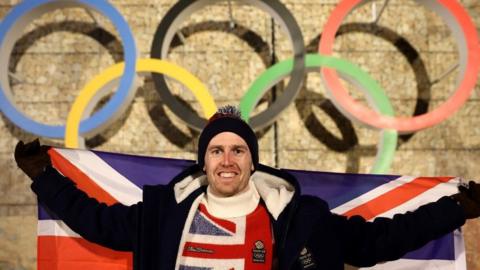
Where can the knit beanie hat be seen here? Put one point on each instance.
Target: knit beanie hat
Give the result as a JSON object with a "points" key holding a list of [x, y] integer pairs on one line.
{"points": [[227, 119]]}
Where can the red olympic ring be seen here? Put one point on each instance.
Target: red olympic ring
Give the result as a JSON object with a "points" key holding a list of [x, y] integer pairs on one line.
{"points": [[465, 33]]}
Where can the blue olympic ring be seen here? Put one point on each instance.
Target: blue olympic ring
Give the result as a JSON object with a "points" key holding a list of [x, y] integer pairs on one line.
{"points": [[17, 19]]}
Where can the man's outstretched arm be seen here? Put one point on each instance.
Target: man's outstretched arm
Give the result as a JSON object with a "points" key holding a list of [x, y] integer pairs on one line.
{"points": [[111, 226], [384, 239]]}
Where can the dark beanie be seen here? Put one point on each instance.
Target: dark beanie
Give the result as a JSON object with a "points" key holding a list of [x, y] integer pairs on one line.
{"points": [[227, 119]]}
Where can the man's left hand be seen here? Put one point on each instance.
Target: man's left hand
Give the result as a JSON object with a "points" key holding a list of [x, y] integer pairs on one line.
{"points": [[469, 199]]}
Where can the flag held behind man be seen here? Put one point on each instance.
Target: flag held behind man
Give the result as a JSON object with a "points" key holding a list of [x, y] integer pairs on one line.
{"points": [[112, 178]]}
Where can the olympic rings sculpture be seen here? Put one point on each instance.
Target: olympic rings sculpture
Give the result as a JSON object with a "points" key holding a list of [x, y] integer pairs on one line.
{"points": [[123, 75]]}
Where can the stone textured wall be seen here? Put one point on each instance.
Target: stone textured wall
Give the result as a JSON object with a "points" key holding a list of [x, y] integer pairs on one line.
{"points": [[406, 51]]}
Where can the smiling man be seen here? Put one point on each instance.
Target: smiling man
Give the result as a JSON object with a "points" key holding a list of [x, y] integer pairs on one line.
{"points": [[228, 164], [228, 211]]}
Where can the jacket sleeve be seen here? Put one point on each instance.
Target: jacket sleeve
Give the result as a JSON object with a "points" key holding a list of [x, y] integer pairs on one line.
{"points": [[367, 243], [110, 226]]}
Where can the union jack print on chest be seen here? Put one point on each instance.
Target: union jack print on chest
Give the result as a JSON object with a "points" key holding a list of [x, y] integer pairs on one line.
{"points": [[235, 243]]}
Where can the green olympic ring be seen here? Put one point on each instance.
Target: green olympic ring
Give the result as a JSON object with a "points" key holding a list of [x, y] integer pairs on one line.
{"points": [[350, 72]]}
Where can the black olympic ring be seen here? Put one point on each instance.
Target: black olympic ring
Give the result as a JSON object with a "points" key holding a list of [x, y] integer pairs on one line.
{"points": [[181, 10]]}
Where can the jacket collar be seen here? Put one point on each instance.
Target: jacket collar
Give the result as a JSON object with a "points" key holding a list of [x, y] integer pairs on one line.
{"points": [[276, 187]]}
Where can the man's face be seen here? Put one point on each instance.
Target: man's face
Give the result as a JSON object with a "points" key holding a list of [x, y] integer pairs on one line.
{"points": [[228, 164]]}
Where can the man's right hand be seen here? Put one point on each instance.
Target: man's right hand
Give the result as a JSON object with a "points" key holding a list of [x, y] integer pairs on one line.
{"points": [[32, 158]]}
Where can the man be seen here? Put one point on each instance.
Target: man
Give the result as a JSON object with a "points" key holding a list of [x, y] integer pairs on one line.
{"points": [[228, 206]]}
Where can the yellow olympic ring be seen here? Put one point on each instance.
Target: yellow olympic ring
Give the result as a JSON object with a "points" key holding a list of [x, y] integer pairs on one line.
{"points": [[82, 103]]}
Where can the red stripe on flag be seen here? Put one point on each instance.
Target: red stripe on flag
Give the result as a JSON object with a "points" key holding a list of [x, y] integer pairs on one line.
{"points": [[396, 197], [81, 179], [60, 253]]}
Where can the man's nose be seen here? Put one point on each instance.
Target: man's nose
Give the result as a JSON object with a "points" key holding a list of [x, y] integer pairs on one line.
{"points": [[227, 159]]}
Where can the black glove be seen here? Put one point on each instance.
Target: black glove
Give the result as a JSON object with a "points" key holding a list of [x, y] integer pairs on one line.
{"points": [[32, 157], [469, 199]]}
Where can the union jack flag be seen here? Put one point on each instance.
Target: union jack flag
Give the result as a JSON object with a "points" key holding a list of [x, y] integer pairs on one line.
{"points": [[112, 178]]}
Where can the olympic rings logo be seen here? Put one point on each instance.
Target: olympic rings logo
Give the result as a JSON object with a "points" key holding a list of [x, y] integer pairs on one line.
{"points": [[80, 123]]}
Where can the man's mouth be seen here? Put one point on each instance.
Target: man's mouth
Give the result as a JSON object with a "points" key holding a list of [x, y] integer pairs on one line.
{"points": [[227, 174]]}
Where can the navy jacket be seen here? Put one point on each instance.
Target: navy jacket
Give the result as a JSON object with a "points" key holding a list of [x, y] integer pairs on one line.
{"points": [[307, 235]]}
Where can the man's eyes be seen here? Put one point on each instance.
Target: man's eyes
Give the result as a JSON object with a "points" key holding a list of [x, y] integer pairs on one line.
{"points": [[216, 151], [238, 151]]}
